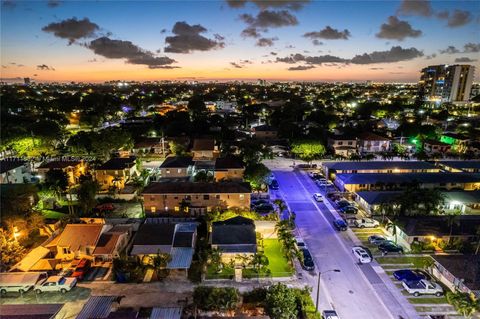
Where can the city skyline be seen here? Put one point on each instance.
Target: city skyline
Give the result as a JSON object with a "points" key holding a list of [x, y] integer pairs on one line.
{"points": [[235, 40]]}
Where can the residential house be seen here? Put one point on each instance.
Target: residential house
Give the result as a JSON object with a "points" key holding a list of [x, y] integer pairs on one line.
{"points": [[372, 143], [116, 172], [76, 241], [342, 145], [459, 272], [234, 237], [204, 149], [331, 169], [112, 242], [195, 198], [264, 132], [14, 171], [434, 229], [387, 181], [150, 145], [73, 168], [436, 147], [159, 236], [177, 167], [458, 142], [229, 168]]}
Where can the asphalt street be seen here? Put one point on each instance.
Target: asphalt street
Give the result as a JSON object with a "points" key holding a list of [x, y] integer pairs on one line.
{"points": [[357, 291]]}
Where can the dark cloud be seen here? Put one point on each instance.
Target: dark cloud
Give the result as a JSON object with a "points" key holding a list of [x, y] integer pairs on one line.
{"points": [[317, 42], [459, 18], [118, 49], [329, 34], [294, 58], [273, 53], [465, 60], [397, 30], [415, 8], [395, 54], [236, 65], [250, 33], [167, 67], [240, 64], [443, 14], [188, 38], [375, 69], [450, 50], [72, 29], [53, 3], [163, 31], [45, 67], [4, 66], [264, 4], [431, 56], [471, 47], [270, 19], [266, 42], [289, 46], [301, 67]]}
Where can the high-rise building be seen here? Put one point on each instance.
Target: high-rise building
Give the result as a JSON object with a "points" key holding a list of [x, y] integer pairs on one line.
{"points": [[446, 83]]}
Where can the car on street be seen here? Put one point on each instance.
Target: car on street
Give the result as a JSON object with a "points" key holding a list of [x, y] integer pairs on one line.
{"points": [[361, 255], [376, 239], [56, 283], [330, 314], [390, 247], [340, 224], [264, 209], [318, 197], [307, 263], [81, 268], [366, 223], [274, 185], [408, 275], [300, 244], [422, 287]]}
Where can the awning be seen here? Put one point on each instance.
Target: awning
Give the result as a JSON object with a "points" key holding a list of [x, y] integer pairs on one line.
{"points": [[181, 258], [98, 307], [166, 313]]}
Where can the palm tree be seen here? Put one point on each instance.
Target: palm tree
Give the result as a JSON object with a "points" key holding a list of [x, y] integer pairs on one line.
{"points": [[392, 225], [281, 206], [452, 219], [478, 240], [215, 257]]}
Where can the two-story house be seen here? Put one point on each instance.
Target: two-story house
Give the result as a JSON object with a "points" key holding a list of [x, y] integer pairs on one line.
{"points": [[436, 147], [73, 168], [229, 168], [343, 145], [204, 149], [177, 167], [116, 172], [195, 198]]}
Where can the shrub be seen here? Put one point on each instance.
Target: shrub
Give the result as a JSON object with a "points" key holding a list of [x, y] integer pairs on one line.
{"points": [[215, 298]]}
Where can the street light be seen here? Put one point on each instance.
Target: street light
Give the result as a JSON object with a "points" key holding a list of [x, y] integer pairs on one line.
{"points": [[318, 285]]}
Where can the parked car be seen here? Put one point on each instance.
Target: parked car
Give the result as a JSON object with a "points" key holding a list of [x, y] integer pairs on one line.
{"points": [[264, 209], [366, 223], [257, 202], [300, 244], [20, 281], [349, 210], [315, 175], [423, 287], [81, 269], [361, 254], [390, 247], [408, 275], [318, 197], [330, 314], [56, 283], [376, 239], [340, 224], [274, 185], [307, 260], [343, 203]]}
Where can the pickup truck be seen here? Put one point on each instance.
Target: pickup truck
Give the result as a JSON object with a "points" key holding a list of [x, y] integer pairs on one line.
{"points": [[19, 281], [56, 283], [423, 287]]}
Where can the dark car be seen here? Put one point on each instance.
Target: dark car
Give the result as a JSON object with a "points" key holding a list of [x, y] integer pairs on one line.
{"points": [[390, 247], [307, 260], [258, 202], [349, 210], [340, 224], [274, 185], [81, 269], [264, 209], [408, 275]]}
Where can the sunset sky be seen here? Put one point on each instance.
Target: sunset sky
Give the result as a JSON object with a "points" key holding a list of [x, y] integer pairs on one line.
{"points": [[96, 41]]}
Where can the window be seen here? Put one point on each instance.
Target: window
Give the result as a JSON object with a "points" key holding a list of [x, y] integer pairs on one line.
{"points": [[340, 143], [116, 172], [206, 197], [188, 197], [152, 198], [66, 251], [179, 171], [242, 196], [175, 197], [176, 208], [217, 196], [168, 171], [153, 209], [350, 143]]}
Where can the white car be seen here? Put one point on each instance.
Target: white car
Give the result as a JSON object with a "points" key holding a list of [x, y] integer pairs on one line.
{"points": [[300, 244], [366, 223], [56, 283], [318, 197], [361, 254]]}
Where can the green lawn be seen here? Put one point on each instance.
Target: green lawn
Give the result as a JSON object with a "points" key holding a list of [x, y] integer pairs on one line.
{"points": [[426, 300], [47, 213], [278, 264], [415, 261], [227, 273]]}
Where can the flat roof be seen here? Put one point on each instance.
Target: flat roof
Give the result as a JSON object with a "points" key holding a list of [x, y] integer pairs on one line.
{"points": [[197, 188], [466, 267], [466, 225], [380, 197], [424, 178], [177, 162], [366, 165], [461, 164]]}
